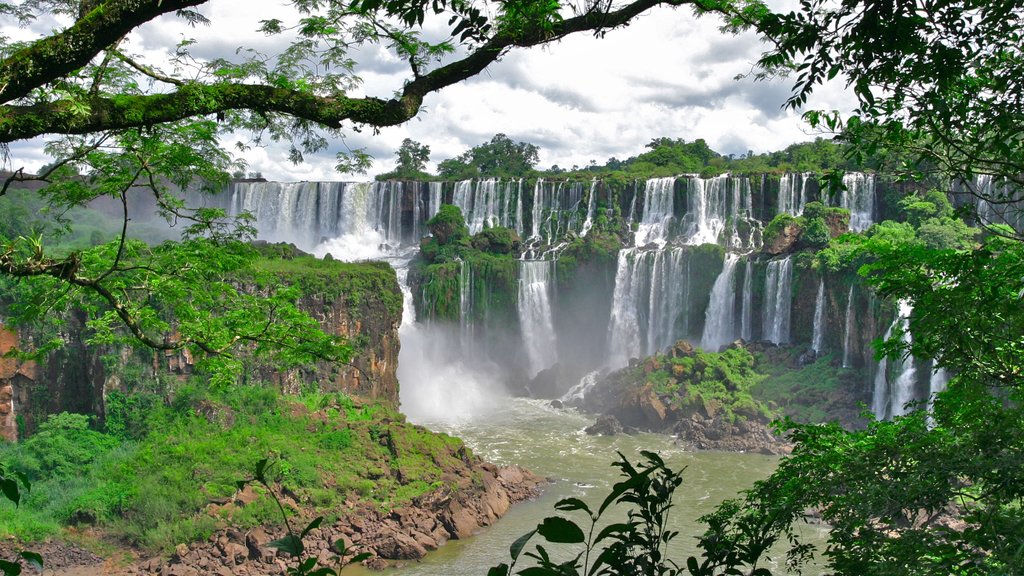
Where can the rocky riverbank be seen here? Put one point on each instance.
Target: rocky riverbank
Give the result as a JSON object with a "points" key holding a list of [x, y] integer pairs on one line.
{"points": [[479, 496]]}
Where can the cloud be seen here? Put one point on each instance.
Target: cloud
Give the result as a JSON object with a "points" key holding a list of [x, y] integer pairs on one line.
{"points": [[579, 99]]}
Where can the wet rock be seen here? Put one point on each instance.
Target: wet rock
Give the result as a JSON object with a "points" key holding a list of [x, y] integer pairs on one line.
{"points": [[606, 425]]}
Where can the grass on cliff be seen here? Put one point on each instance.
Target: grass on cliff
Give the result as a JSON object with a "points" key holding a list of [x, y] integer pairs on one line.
{"points": [[175, 482]]}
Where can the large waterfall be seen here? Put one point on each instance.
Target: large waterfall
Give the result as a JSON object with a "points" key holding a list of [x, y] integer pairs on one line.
{"points": [[778, 300], [651, 295], [668, 283], [719, 323], [535, 318]]}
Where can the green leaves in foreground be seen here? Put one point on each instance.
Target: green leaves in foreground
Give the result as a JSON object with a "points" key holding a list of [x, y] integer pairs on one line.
{"points": [[9, 485], [635, 546]]}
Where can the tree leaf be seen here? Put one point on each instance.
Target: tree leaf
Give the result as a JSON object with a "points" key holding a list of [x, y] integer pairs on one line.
{"points": [[559, 530], [291, 544], [517, 547]]}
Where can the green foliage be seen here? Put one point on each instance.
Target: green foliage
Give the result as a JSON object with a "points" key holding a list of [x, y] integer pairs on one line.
{"points": [[815, 233], [448, 226], [777, 226], [501, 156], [497, 240], [152, 491], [636, 546], [411, 161]]}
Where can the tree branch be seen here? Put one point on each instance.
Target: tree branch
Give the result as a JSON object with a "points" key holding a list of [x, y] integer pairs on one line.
{"points": [[56, 56], [196, 99]]}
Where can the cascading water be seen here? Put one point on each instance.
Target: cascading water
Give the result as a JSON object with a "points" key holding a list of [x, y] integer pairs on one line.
{"points": [[848, 332], [579, 390], [591, 207], [535, 317], [890, 399], [859, 198], [747, 310], [719, 323], [555, 210], [778, 300], [651, 293], [434, 190], [624, 323], [818, 336], [659, 205], [792, 193], [466, 306], [706, 210]]}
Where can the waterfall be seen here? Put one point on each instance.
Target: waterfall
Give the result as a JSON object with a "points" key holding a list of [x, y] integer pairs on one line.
{"points": [[519, 208], [591, 206], [535, 318], [747, 311], [706, 209], [579, 391], [555, 210], [859, 198], [778, 300], [792, 193], [435, 198], [719, 323], [818, 338], [659, 205], [466, 306], [903, 389], [667, 296], [357, 220], [651, 294], [847, 341], [624, 323], [889, 400]]}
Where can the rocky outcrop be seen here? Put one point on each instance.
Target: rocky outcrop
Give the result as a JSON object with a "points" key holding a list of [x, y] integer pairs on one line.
{"points": [[784, 241], [630, 398], [14, 375], [477, 497]]}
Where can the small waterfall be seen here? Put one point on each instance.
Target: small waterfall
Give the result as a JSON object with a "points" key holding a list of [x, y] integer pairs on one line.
{"points": [[889, 400], [747, 311], [903, 389], [937, 383], [579, 391], [535, 318], [466, 306], [651, 294], [818, 338], [859, 198], [659, 205], [519, 208], [847, 340], [435, 198], [792, 193], [719, 323], [591, 206], [778, 300]]}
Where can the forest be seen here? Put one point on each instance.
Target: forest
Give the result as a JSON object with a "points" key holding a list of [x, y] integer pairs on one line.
{"points": [[204, 372]]}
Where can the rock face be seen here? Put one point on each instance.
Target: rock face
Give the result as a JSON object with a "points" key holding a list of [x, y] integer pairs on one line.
{"points": [[784, 241], [73, 378], [483, 493]]}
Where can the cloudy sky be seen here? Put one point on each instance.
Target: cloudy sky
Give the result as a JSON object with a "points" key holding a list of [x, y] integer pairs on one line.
{"points": [[582, 99]]}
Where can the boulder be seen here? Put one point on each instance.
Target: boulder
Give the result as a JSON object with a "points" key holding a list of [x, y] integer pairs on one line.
{"points": [[606, 425]]}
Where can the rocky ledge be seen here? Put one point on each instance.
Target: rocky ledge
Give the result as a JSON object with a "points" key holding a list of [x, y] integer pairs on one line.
{"points": [[391, 536]]}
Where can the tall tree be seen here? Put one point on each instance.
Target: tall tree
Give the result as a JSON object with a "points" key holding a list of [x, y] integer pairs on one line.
{"points": [[412, 157]]}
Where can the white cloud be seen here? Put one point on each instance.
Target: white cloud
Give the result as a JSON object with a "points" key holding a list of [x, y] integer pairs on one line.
{"points": [[581, 99]]}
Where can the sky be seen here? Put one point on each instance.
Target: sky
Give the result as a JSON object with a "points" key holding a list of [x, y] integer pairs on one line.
{"points": [[579, 100]]}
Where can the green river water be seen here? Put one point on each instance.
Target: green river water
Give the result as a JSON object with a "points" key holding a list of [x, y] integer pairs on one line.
{"points": [[552, 443]]}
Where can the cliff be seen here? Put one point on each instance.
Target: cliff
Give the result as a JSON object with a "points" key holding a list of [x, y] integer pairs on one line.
{"points": [[360, 302]]}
